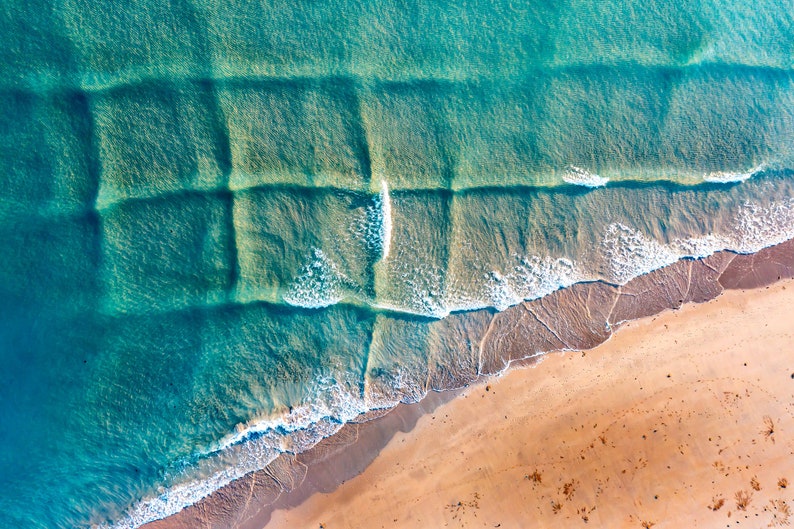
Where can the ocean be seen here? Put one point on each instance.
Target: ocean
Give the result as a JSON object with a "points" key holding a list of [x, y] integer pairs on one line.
{"points": [[227, 228]]}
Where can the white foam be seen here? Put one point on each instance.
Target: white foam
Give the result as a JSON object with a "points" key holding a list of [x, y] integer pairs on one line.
{"points": [[582, 177], [698, 247], [386, 226], [428, 291], [629, 253], [501, 293], [375, 228], [331, 398], [437, 312], [175, 498], [726, 177], [757, 227], [319, 283], [421, 289], [533, 277]]}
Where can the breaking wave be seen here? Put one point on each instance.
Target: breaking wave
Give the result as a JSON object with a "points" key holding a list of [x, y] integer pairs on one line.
{"points": [[319, 283], [384, 201], [727, 177], [581, 177]]}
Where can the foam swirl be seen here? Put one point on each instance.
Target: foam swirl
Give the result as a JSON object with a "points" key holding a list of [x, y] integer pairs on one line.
{"points": [[319, 283]]}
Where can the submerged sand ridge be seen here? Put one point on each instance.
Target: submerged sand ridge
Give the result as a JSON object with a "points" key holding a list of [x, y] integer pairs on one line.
{"points": [[571, 443]]}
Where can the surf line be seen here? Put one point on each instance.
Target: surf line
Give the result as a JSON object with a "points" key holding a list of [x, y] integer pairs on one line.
{"points": [[385, 213]]}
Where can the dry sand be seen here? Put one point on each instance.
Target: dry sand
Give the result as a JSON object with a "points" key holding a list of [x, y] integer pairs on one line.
{"points": [[669, 424]]}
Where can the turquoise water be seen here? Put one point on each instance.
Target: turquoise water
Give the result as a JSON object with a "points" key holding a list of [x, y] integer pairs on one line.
{"points": [[228, 227]]}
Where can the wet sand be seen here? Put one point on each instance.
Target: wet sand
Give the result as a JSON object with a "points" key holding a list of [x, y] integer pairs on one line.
{"points": [[671, 423], [669, 417]]}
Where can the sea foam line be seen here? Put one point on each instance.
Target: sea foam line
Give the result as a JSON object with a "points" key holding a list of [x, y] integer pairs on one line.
{"points": [[624, 251], [727, 177], [386, 225], [581, 177]]}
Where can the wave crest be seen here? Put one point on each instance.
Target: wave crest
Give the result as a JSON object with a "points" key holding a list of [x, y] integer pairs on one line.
{"points": [[729, 177], [581, 177]]}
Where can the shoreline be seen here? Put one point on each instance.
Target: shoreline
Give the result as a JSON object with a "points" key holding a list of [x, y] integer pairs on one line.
{"points": [[588, 313]]}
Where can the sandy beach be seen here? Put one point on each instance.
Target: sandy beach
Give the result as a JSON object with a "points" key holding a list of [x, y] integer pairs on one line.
{"points": [[685, 419]]}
